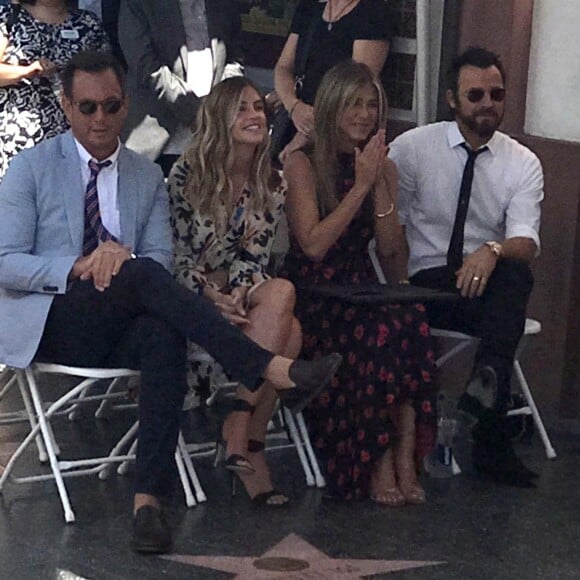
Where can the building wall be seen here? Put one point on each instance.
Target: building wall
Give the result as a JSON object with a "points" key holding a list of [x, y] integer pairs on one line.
{"points": [[553, 96]]}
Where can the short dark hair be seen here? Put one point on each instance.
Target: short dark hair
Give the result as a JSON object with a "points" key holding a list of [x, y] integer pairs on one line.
{"points": [[91, 61], [473, 56]]}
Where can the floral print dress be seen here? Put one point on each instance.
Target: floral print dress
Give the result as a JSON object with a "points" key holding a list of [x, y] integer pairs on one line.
{"points": [[243, 251], [30, 109], [388, 358]]}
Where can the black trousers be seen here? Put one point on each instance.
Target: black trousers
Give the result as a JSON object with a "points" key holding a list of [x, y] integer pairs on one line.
{"points": [[498, 317], [141, 322]]}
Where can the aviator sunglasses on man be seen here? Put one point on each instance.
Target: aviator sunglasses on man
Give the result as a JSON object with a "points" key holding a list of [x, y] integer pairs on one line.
{"points": [[475, 95], [109, 107]]}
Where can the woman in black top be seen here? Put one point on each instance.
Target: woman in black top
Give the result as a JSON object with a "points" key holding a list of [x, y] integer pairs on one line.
{"points": [[344, 29]]}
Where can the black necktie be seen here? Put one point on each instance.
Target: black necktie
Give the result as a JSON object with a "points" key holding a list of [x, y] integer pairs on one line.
{"points": [[455, 251]]}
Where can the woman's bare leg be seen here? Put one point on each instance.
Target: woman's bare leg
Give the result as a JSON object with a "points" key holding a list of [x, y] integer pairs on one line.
{"points": [[273, 326], [384, 488], [405, 464]]}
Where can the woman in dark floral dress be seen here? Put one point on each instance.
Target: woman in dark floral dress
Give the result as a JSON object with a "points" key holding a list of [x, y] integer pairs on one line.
{"points": [[378, 417], [37, 38]]}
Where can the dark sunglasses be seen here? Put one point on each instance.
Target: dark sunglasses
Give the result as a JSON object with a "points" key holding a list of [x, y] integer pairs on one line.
{"points": [[110, 106], [475, 95]]}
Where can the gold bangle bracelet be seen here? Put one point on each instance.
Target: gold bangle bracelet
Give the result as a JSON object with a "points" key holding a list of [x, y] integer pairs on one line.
{"points": [[388, 212], [291, 109]]}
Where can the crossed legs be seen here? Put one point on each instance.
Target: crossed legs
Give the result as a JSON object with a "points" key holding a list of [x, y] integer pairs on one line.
{"points": [[274, 327]]}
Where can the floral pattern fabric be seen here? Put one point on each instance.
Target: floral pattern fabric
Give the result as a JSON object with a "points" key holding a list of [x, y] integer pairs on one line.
{"points": [[388, 358], [30, 109], [243, 251]]}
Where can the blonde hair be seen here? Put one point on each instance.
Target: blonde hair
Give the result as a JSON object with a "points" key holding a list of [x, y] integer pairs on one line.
{"points": [[337, 92], [210, 156]]}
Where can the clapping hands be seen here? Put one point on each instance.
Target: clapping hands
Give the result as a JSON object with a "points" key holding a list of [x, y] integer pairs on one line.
{"points": [[369, 162]]}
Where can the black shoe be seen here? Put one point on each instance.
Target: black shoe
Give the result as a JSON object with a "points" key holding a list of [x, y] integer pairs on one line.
{"points": [[151, 533], [310, 378], [494, 456], [470, 408], [501, 470]]}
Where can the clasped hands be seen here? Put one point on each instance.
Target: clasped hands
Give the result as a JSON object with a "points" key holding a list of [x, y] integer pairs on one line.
{"points": [[101, 265], [231, 305], [372, 165], [473, 276]]}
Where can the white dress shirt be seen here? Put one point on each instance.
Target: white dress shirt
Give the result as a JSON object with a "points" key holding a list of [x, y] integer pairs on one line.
{"points": [[508, 186], [107, 186]]}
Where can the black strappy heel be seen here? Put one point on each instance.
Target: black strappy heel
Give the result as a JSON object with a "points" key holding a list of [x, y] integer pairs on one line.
{"points": [[272, 498], [234, 462]]}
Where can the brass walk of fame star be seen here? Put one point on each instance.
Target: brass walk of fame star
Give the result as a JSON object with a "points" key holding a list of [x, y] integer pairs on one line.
{"points": [[295, 559]]}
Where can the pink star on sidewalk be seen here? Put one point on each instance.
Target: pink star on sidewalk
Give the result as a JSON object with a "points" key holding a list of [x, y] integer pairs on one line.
{"points": [[295, 559]]}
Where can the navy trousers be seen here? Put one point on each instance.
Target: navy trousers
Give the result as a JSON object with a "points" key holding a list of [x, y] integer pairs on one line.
{"points": [[142, 322], [498, 317]]}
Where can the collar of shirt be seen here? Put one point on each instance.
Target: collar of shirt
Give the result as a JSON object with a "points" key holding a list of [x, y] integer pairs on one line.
{"points": [[455, 138], [85, 157]]}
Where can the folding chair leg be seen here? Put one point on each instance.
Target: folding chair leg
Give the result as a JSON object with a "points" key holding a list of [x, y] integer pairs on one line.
{"points": [[189, 497], [550, 451], [105, 404], [48, 438], [42, 455], [118, 450], [289, 419], [309, 451], [19, 451], [9, 384], [182, 448], [124, 467]]}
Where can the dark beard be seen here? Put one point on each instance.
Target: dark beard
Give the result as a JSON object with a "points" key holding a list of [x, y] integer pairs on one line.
{"points": [[482, 128]]}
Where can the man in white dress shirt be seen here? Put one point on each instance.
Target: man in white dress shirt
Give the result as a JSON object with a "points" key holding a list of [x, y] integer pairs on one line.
{"points": [[470, 203]]}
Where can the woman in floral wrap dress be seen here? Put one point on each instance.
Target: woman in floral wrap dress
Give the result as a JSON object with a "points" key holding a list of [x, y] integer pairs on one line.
{"points": [[225, 204]]}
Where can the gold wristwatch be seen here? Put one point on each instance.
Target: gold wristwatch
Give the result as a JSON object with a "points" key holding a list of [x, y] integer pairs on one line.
{"points": [[495, 248]]}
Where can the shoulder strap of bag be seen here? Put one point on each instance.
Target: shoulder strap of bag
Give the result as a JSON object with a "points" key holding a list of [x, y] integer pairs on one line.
{"points": [[303, 46]]}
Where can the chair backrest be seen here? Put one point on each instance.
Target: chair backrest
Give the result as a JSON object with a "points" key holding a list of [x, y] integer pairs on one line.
{"points": [[372, 250]]}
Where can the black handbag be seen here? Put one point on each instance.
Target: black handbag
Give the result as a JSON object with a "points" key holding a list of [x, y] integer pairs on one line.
{"points": [[283, 129]]}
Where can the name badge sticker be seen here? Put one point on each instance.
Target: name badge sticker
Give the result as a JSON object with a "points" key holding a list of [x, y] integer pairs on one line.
{"points": [[70, 34]]}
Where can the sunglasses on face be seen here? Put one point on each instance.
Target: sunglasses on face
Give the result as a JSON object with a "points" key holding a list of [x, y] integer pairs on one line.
{"points": [[110, 106], [476, 95]]}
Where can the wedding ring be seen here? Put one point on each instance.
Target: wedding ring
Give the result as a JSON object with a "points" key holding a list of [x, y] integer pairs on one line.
{"points": [[476, 278]]}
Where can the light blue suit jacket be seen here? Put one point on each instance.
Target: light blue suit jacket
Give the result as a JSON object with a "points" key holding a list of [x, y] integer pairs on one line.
{"points": [[42, 228]]}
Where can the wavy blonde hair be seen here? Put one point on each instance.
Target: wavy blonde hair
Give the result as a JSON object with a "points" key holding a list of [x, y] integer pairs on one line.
{"points": [[338, 91], [210, 156]]}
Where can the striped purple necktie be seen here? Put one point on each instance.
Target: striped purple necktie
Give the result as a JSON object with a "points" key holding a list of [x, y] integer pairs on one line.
{"points": [[95, 231]]}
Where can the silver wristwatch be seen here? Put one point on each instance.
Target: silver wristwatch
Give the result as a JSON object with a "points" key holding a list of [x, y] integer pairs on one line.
{"points": [[495, 248]]}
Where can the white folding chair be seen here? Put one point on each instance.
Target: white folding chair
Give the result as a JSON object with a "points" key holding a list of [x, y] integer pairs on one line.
{"points": [[8, 417], [464, 341], [41, 413], [297, 434]]}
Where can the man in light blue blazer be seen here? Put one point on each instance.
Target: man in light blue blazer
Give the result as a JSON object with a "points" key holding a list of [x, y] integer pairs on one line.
{"points": [[85, 260]]}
